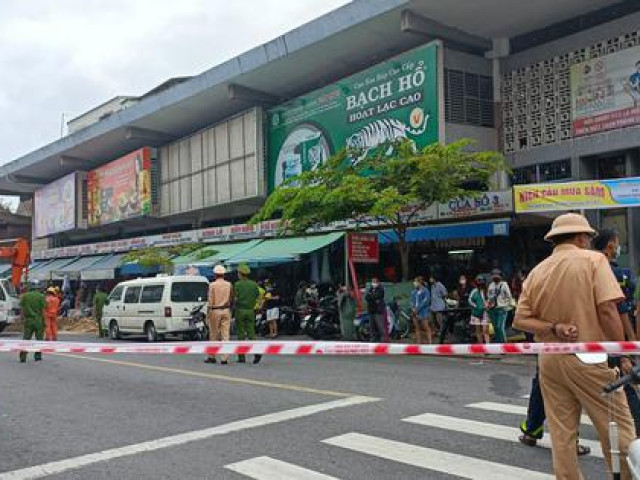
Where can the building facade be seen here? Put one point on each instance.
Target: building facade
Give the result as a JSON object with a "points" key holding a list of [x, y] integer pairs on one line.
{"points": [[202, 154]]}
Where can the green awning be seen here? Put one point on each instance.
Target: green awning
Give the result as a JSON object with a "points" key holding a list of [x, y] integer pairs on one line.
{"points": [[283, 250], [223, 252]]}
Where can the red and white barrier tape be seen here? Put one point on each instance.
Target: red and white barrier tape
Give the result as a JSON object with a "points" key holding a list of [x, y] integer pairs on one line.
{"points": [[317, 348]]}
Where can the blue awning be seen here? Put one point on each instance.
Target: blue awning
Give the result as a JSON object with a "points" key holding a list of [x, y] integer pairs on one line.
{"points": [[132, 269], [447, 232]]}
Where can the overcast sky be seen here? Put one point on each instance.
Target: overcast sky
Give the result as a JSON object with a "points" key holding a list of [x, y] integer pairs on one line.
{"points": [[68, 56]]}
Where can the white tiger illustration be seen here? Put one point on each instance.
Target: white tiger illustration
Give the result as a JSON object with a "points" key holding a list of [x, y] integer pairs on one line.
{"points": [[380, 131]]}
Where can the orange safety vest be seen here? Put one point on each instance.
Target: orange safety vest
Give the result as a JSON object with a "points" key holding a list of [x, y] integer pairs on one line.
{"points": [[53, 305]]}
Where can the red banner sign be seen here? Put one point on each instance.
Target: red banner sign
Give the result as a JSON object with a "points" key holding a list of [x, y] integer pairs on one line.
{"points": [[363, 247]]}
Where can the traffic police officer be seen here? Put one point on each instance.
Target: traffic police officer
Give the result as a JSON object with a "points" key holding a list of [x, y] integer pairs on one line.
{"points": [[247, 294], [220, 298]]}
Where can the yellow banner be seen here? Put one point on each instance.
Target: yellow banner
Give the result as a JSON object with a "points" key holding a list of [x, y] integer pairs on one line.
{"points": [[565, 196]]}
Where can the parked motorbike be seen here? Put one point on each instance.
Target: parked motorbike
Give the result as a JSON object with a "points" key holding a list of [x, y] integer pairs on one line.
{"points": [[290, 321], [323, 322], [399, 325], [198, 329], [262, 327]]}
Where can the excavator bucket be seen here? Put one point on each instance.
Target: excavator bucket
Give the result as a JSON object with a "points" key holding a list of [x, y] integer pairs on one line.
{"points": [[21, 261]]}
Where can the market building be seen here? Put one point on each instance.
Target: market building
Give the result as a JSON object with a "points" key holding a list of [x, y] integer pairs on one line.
{"points": [[553, 85]]}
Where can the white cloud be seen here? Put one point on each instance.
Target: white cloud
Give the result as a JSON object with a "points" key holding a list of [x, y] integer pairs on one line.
{"points": [[68, 56]]}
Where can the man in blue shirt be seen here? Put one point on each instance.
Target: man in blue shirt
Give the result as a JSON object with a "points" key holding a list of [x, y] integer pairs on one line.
{"points": [[420, 305]]}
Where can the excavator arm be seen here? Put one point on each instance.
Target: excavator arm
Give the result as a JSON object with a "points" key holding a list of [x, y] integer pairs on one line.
{"points": [[20, 256]]}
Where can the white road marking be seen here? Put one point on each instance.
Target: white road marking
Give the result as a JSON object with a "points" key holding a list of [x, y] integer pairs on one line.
{"points": [[488, 430], [436, 460], [61, 466], [266, 468], [515, 409]]}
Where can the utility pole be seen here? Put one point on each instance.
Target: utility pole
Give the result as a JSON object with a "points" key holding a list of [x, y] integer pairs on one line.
{"points": [[62, 126]]}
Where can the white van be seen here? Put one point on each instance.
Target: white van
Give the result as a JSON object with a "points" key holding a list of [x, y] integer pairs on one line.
{"points": [[9, 304], [154, 306]]}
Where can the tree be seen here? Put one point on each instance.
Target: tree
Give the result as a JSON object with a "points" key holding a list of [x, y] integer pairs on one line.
{"points": [[151, 257], [385, 188]]}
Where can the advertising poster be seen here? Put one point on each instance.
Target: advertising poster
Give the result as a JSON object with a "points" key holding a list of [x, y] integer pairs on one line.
{"points": [[121, 189], [393, 100], [589, 195], [605, 92], [55, 207]]}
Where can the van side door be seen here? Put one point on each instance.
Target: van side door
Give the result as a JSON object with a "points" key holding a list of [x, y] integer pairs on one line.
{"points": [[131, 321], [151, 306]]}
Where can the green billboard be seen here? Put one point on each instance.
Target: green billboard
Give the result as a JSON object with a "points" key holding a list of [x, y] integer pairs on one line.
{"points": [[398, 98]]}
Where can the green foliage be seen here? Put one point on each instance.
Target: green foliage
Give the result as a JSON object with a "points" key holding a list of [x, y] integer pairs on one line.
{"points": [[151, 257], [386, 188], [389, 185], [204, 253]]}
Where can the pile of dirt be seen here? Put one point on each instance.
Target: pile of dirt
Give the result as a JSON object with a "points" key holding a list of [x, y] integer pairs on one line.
{"points": [[69, 324], [76, 324]]}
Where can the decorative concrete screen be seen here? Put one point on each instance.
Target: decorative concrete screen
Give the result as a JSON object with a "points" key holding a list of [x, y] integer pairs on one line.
{"points": [[536, 104]]}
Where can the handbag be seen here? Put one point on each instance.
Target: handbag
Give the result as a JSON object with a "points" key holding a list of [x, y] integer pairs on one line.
{"points": [[491, 330]]}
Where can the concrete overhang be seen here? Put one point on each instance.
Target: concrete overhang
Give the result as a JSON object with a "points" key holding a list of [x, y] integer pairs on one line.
{"points": [[331, 47]]}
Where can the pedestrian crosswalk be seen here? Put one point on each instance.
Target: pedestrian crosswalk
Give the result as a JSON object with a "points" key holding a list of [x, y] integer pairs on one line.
{"points": [[512, 409], [489, 430], [266, 468], [430, 459], [425, 458]]}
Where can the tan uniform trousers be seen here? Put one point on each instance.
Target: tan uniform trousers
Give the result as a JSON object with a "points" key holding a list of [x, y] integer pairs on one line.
{"points": [[569, 387], [220, 327]]}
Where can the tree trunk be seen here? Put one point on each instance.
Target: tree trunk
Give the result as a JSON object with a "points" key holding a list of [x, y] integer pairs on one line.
{"points": [[404, 248]]}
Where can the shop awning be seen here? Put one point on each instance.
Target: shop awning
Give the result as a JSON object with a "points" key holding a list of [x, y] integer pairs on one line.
{"points": [[448, 232], [104, 269], [46, 272], [75, 269], [39, 264], [133, 268], [204, 266], [223, 251], [283, 250]]}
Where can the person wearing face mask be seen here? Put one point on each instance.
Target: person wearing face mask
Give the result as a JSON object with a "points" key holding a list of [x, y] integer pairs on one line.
{"points": [[420, 303], [498, 305], [377, 311], [439, 295], [463, 292], [608, 242]]}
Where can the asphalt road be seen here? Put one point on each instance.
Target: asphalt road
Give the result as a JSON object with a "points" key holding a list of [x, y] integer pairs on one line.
{"points": [[139, 417]]}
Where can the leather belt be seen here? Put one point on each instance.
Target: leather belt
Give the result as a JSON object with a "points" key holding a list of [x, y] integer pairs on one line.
{"points": [[219, 308]]}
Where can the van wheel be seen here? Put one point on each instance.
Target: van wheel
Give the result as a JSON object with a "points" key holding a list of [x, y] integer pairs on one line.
{"points": [[151, 332], [114, 330]]}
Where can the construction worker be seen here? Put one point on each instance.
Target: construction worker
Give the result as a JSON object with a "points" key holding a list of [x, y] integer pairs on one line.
{"points": [[33, 304], [573, 296], [99, 301], [247, 295], [219, 315], [51, 314]]}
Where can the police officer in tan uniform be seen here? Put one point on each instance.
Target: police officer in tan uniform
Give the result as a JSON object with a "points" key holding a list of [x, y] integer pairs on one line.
{"points": [[220, 298], [572, 296]]}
